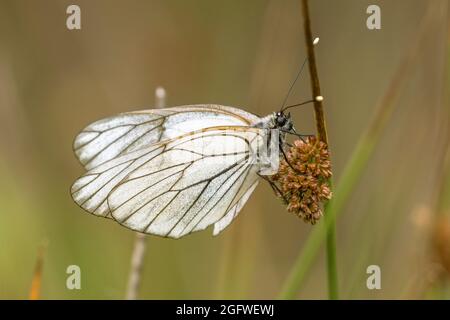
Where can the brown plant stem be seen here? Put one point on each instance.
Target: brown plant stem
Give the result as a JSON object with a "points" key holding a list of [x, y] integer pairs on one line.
{"points": [[323, 136], [314, 77]]}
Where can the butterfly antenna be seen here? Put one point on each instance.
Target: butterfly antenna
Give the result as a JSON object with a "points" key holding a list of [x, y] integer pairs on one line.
{"points": [[316, 41], [293, 83], [318, 98]]}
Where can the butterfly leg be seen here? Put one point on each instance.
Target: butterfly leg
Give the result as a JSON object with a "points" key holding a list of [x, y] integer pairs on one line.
{"points": [[299, 135], [274, 187], [285, 156]]}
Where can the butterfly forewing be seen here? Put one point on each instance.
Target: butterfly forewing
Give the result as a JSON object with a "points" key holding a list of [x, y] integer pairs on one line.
{"points": [[110, 137]]}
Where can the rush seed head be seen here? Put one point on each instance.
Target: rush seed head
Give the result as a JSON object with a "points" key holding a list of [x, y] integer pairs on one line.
{"points": [[303, 181]]}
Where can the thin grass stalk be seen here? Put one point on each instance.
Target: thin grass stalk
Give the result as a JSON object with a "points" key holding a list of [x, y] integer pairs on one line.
{"points": [[333, 290], [354, 167], [36, 282], [140, 245], [443, 205], [443, 201], [137, 262], [436, 286]]}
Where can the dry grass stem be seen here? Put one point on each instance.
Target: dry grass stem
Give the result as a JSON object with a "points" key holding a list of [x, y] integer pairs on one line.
{"points": [[35, 290], [139, 249]]}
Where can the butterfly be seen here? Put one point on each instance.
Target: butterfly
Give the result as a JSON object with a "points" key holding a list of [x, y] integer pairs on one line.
{"points": [[173, 171]]}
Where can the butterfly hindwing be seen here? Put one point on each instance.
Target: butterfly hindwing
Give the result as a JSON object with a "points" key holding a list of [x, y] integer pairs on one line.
{"points": [[178, 186]]}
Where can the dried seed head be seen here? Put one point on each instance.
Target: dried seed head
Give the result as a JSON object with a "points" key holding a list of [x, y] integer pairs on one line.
{"points": [[441, 242], [303, 181]]}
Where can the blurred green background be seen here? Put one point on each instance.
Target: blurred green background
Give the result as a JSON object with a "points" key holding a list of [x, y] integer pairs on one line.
{"points": [[54, 81]]}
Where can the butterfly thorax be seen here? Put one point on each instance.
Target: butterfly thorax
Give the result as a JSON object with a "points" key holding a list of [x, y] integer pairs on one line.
{"points": [[280, 121], [276, 120]]}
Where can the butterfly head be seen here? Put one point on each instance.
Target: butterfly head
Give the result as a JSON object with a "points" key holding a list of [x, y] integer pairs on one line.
{"points": [[283, 121]]}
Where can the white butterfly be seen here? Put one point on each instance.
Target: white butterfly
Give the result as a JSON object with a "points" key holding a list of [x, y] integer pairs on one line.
{"points": [[173, 171]]}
